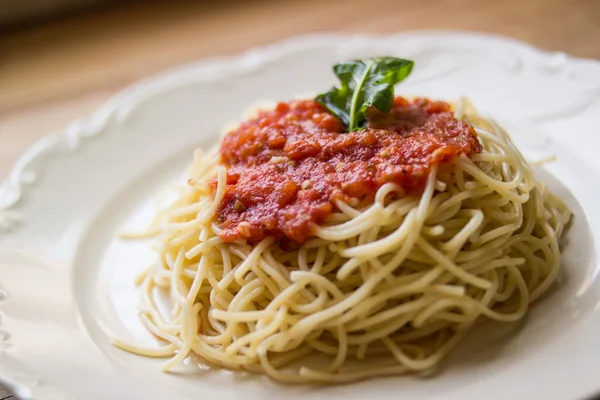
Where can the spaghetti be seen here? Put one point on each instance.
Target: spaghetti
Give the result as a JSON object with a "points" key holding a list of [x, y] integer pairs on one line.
{"points": [[383, 286]]}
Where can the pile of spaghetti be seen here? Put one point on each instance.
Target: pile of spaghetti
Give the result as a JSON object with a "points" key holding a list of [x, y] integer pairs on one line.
{"points": [[366, 284]]}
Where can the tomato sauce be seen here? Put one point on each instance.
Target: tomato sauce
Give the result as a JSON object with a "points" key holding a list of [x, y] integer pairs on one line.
{"points": [[287, 166]]}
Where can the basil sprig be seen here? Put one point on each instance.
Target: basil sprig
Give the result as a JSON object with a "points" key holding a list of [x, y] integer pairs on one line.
{"points": [[364, 83]]}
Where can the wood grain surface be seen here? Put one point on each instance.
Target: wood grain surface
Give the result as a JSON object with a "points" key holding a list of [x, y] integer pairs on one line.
{"points": [[53, 73]]}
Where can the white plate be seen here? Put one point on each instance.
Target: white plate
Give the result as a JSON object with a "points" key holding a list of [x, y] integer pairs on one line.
{"points": [[66, 280]]}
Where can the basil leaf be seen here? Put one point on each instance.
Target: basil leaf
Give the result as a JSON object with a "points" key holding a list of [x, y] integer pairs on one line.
{"points": [[364, 83]]}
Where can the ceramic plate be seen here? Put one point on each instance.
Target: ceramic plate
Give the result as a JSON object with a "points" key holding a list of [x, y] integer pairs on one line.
{"points": [[66, 279]]}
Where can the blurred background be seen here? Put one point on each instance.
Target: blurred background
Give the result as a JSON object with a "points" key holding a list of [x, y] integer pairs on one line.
{"points": [[61, 59]]}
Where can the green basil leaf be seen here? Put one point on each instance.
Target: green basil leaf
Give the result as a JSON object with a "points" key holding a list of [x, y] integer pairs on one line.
{"points": [[364, 83]]}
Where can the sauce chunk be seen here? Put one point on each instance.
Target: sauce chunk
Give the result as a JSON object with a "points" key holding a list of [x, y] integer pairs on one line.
{"points": [[288, 166]]}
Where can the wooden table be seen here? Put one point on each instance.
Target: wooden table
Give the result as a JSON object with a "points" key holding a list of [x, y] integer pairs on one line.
{"points": [[55, 72]]}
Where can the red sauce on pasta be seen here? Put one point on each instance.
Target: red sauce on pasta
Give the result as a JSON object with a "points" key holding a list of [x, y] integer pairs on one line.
{"points": [[288, 166]]}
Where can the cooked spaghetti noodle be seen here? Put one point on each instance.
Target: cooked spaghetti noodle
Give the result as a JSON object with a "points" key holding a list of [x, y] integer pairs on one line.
{"points": [[383, 287]]}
